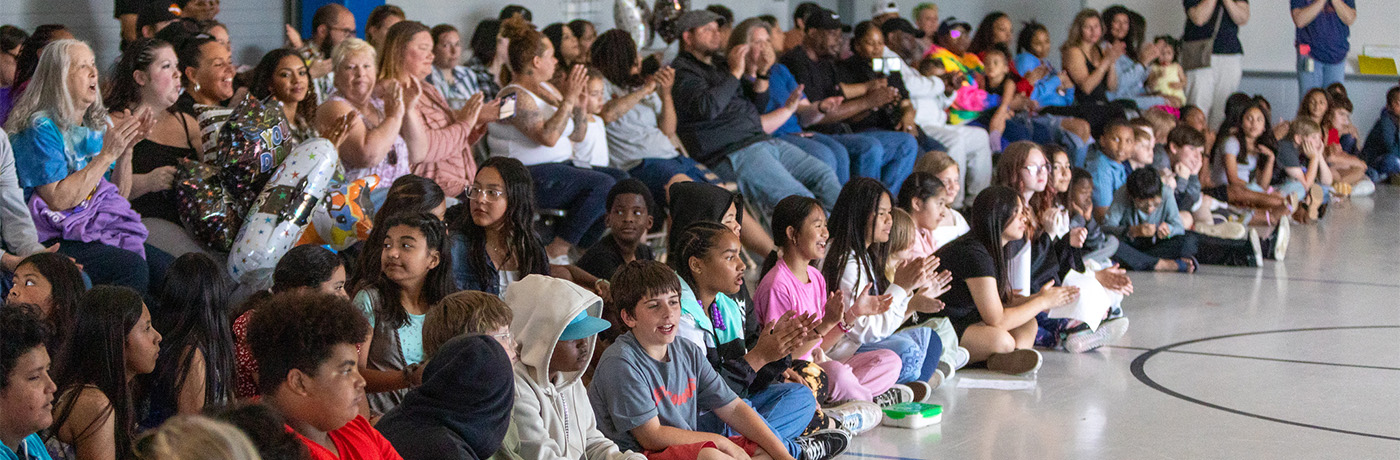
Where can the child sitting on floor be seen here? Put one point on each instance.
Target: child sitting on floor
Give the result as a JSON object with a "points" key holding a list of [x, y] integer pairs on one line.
{"points": [[1145, 219]]}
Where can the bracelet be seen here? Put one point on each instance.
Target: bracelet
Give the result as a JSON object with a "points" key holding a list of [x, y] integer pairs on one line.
{"points": [[842, 325]]}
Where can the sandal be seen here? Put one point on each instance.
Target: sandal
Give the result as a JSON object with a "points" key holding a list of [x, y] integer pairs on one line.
{"points": [[1186, 265]]}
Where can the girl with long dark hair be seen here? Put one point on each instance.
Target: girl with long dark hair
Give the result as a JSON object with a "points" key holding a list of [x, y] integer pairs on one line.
{"points": [[52, 283], [791, 283], [195, 369], [856, 257], [113, 342], [282, 75], [994, 326], [495, 244], [414, 275]]}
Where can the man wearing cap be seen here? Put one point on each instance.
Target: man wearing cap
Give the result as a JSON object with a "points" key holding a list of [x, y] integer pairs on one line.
{"points": [[813, 64], [931, 96], [155, 16], [556, 324], [883, 11], [718, 122]]}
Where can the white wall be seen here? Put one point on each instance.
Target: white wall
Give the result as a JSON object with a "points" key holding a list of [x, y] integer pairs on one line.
{"points": [[254, 25]]}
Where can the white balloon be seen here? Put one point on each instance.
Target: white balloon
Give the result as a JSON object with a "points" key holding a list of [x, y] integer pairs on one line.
{"points": [[282, 211], [634, 17]]}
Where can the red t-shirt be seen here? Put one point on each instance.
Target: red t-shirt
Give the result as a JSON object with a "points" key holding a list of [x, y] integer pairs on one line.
{"points": [[357, 440]]}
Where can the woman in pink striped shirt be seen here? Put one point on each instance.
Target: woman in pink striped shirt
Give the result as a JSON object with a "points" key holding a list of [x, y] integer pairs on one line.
{"points": [[449, 134]]}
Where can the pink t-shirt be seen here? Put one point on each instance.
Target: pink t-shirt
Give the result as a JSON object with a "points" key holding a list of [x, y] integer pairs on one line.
{"points": [[924, 243], [780, 292]]}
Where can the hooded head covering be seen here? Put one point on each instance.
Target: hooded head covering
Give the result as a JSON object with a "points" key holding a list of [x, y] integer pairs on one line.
{"points": [[544, 306], [693, 202], [468, 391]]}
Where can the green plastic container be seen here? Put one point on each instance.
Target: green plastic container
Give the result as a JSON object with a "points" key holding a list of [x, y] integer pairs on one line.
{"points": [[912, 415]]}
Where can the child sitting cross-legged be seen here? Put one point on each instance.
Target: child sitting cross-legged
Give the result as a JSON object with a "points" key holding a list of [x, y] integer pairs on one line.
{"points": [[650, 388], [1145, 219], [791, 284]]}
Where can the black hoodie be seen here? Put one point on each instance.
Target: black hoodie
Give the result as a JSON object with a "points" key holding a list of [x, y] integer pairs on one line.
{"points": [[462, 410]]}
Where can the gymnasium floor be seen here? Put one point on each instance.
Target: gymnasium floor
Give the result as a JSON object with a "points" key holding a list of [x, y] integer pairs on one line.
{"points": [[1293, 360]]}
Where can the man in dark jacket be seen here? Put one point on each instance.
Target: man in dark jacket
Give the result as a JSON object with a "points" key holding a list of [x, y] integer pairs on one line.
{"points": [[717, 120]]}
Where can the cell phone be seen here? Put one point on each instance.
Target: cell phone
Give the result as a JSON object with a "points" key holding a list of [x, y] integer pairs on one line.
{"points": [[507, 107]]}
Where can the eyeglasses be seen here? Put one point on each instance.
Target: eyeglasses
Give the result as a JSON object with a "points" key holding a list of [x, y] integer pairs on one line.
{"points": [[1037, 169], [488, 194], [344, 30]]}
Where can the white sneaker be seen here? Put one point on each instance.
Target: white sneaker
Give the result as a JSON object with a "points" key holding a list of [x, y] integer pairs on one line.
{"points": [[856, 416], [946, 368], [899, 393], [1363, 188], [1258, 247], [1086, 340], [1279, 240], [1226, 230]]}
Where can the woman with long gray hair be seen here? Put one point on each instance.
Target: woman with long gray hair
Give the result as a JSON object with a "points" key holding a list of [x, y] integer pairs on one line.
{"points": [[65, 147]]}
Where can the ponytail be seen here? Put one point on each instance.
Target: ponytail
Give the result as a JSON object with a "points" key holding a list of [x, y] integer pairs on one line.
{"points": [[790, 212]]}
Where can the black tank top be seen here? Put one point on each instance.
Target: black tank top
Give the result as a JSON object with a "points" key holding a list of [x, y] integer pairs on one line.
{"points": [[1100, 93], [146, 156]]}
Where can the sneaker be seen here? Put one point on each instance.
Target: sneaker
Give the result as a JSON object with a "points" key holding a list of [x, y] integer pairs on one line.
{"points": [[946, 368], [1363, 188], [1086, 340], [1258, 247], [921, 390], [1226, 230], [1278, 242], [934, 381], [1019, 361], [823, 444], [897, 394], [960, 358], [856, 417]]}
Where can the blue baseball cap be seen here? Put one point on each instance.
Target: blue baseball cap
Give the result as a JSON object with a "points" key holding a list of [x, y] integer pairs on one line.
{"points": [[583, 326]]}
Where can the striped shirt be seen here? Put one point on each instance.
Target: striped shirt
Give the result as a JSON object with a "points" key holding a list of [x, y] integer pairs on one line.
{"points": [[449, 160]]}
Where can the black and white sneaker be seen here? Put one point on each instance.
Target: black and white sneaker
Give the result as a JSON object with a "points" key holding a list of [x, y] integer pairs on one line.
{"points": [[1257, 244], [898, 393], [823, 444], [1276, 246]]}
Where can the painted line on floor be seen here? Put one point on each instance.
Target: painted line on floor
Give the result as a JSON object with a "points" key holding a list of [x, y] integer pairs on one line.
{"points": [[1263, 358], [885, 457], [1139, 371], [1301, 280]]}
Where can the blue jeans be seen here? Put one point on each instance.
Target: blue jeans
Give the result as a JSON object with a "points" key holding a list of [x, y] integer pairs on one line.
{"points": [[771, 170], [885, 155], [657, 172], [826, 149], [917, 348], [105, 264], [1321, 75], [787, 408], [583, 192]]}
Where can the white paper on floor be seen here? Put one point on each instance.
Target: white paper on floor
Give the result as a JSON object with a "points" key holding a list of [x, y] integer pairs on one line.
{"points": [[1093, 300], [996, 384]]}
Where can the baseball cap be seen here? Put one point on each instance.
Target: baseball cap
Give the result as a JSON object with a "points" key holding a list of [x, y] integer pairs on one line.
{"points": [[887, 7], [825, 19], [583, 326], [900, 25], [696, 18], [157, 12], [950, 24]]}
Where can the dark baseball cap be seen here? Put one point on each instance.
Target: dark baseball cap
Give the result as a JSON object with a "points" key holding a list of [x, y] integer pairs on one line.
{"points": [[825, 19], [157, 12], [900, 25], [696, 18]]}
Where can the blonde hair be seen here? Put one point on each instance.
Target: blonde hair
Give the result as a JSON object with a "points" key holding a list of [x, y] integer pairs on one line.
{"points": [[1076, 28], [395, 47], [48, 92], [901, 231], [1162, 121], [463, 312], [934, 163], [1304, 127], [353, 47], [195, 437]]}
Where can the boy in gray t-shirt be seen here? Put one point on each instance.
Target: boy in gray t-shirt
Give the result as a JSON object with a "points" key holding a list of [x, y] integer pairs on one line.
{"points": [[650, 388]]}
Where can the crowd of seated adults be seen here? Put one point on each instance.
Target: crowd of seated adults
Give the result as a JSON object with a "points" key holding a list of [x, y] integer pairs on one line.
{"points": [[916, 189]]}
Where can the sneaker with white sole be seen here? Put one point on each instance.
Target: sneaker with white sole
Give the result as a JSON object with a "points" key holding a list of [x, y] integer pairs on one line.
{"points": [[1086, 340], [899, 393], [823, 444], [921, 390], [856, 416], [1277, 247], [1015, 362], [960, 358], [1256, 244]]}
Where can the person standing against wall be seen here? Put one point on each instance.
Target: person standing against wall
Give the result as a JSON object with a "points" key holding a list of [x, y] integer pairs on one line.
{"points": [[1323, 29], [1208, 86]]}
